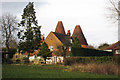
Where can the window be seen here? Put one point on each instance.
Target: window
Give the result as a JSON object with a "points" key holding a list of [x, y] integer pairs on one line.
{"points": [[65, 48], [70, 40], [51, 48], [69, 48], [117, 51]]}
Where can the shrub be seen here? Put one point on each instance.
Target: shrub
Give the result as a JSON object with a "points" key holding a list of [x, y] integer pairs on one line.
{"points": [[86, 60], [11, 52], [108, 68], [101, 68], [75, 51], [17, 61], [26, 60], [4, 49]]}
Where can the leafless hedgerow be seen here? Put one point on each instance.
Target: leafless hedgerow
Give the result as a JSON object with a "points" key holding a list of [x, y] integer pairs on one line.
{"points": [[102, 68]]}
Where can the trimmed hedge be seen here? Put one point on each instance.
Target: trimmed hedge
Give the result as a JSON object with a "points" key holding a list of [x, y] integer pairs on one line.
{"points": [[85, 60], [89, 52]]}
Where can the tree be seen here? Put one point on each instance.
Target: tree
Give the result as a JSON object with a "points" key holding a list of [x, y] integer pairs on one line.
{"points": [[8, 22], [91, 47], [30, 34], [103, 46], [76, 42], [115, 9], [13, 44], [61, 50], [44, 51]]}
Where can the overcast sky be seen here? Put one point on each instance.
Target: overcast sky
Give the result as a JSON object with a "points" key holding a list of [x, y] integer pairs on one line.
{"points": [[89, 14]]}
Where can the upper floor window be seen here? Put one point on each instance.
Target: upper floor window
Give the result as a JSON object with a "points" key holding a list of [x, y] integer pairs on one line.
{"points": [[69, 48], [71, 40]]}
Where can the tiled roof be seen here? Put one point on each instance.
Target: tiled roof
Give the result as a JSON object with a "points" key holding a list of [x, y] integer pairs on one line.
{"points": [[60, 28], [63, 38], [79, 34], [115, 45], [118, 48]]}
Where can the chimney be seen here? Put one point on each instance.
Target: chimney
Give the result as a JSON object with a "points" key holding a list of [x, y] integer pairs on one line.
{"points": [[68, 33], [42, 38], [60, 28]]}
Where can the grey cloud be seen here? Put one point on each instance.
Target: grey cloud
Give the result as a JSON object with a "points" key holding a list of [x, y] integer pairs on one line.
{"points": [[17, 7]]}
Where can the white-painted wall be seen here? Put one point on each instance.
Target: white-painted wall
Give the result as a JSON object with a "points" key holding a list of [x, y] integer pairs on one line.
{"points": [[54, 59], [117, 52]]}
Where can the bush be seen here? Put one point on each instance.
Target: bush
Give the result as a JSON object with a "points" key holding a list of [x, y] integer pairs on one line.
{"points": [[102, 68], [17, 61], [26, 60], [10, 53], [86, 60], [75, 51], [108, 68], [4, 49]]}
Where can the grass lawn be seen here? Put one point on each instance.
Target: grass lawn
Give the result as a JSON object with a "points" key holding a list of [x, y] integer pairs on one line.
{"points": [[46, 71]]}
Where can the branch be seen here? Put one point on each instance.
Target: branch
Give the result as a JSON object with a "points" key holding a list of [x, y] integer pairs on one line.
{"points": [[116, 9]]}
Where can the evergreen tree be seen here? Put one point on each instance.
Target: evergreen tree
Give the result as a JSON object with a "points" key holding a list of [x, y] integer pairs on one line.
{"points": [[44, 51], [30, 34], [76, 42]]}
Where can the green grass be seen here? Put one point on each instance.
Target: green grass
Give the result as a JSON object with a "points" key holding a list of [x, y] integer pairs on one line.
{"points": [[46, 71]]}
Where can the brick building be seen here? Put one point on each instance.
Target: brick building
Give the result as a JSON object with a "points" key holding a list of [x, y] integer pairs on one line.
{"points": [[60, 38]]}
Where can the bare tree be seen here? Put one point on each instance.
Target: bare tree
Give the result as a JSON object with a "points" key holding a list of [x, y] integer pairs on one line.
{"points": [[103, 46], [115, 9], [91, 46], [8, 22]]}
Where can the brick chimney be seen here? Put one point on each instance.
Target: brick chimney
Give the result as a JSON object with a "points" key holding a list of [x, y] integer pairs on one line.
{"points": [[68, 33], [60, 28]]}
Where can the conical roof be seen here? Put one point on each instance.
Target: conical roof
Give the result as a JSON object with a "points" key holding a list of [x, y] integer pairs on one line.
{"points": [[79, 34], [60, 28]]}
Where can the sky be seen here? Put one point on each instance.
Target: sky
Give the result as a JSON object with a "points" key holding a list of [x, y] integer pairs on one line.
{"points": [[91, 15]]}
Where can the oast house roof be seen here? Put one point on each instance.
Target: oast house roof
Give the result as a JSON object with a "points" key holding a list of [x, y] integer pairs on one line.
{"points": [[79, 34], [60, 28]]}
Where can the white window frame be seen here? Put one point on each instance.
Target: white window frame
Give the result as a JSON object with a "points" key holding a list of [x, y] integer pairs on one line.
{"points": [[71, 40], [69, 48], [117, 51], [51, 48]]}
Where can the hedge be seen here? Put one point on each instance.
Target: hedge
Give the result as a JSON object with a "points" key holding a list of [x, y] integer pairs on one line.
{"points": [[85, 60], [89, 52]]}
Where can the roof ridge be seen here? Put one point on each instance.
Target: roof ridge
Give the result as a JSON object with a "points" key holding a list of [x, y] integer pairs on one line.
{"points": [[60, 33]]}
